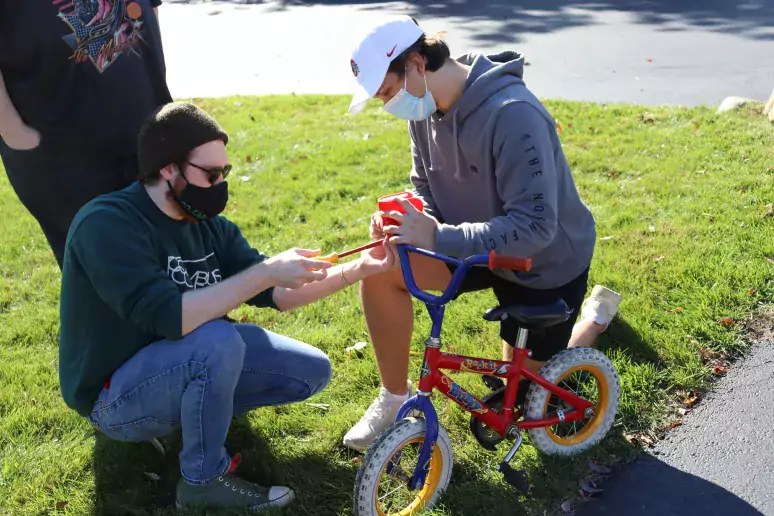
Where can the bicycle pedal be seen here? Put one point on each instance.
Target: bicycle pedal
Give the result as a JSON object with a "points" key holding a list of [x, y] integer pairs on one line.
{"points": [[516, 478], [494, 383]]}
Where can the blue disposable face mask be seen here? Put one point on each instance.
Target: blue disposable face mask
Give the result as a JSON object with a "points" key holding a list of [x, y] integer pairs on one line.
{"points": [[408, 107]]}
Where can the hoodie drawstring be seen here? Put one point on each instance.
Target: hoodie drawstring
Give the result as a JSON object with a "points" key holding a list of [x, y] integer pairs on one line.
{"points": [[457, 171]]}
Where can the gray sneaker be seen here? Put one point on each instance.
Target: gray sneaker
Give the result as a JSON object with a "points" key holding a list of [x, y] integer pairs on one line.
{"points": [[230, 491]]}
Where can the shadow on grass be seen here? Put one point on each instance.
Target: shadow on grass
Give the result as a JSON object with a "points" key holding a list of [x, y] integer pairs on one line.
{"points": [[620, 336], [136, 479]]}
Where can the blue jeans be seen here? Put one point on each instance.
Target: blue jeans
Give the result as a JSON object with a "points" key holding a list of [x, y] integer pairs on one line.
{"points": [[200, 382]]}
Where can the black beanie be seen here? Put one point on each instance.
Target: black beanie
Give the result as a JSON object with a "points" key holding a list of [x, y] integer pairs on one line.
{"points": [[171, 132]]}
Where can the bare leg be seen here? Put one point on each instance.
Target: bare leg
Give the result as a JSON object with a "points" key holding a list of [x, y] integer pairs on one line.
{"points": [[585, 333], [389, 315], [532, 365]]}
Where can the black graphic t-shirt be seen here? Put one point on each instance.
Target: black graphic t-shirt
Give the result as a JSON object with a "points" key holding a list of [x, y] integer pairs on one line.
{"points": [[125, 270], [85, 73]]}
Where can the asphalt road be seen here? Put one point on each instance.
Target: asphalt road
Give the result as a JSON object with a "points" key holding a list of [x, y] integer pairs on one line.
{"points": [[719, 462], [639, 51]]}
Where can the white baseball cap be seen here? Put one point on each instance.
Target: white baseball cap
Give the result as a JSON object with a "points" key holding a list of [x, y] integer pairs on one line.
{"points": [[373, 54]]}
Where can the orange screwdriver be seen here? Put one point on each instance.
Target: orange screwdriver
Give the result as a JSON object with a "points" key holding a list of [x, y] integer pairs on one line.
{"points": [[335, 257]]}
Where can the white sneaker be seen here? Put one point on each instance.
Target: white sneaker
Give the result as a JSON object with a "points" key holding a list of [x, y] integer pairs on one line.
{"points": [[601, 306], [379, 416]]}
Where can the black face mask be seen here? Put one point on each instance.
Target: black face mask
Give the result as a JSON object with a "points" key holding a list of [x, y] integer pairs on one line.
{"points": [[202, 203]]}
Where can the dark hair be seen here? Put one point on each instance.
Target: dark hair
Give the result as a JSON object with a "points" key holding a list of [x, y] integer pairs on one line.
{"points": [[154, 178], [432, 48]]}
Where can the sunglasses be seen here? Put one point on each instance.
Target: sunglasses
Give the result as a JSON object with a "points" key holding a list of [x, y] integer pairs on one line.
{"points": [[215, 172]]}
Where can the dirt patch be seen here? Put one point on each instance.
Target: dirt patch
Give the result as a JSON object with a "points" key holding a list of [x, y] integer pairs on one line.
{"points": [[760, 326]]}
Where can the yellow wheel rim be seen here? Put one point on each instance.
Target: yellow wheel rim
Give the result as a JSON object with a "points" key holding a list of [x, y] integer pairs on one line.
{"points": [[432, 481], [600, 407]]}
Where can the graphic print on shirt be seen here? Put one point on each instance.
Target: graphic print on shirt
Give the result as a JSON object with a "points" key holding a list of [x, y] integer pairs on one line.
{"points": [[193, 273], [103, 30]]}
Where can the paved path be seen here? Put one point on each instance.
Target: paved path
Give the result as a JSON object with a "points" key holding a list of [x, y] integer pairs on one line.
{"points": [[719, 462], [701, 50]]}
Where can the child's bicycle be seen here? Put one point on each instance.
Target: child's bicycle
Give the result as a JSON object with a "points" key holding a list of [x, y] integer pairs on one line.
{"points": [[569, 407]]}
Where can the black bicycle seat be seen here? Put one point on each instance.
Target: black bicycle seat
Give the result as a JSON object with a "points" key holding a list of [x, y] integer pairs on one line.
{"points": [[531, 317]]}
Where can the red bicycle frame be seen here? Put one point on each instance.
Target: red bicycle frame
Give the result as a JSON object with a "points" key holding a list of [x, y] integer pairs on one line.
{"points": [[432, 377]]}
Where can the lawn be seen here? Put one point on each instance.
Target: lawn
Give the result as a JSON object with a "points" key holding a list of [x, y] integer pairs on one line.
{"points": [[682, 199]]}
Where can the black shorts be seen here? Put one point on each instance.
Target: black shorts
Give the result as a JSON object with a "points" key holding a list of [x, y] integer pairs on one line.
{"points": [[543, 343]]}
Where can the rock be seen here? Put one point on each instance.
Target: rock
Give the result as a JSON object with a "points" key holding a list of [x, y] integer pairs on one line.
{"points": [[732, 103], [769, 108], [769, 105]]}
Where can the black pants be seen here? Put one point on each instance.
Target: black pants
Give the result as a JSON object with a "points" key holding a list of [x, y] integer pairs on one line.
{"points": [[543, 343], [53, 186]]}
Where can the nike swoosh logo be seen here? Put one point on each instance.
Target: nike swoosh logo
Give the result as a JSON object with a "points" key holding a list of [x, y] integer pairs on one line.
{"points": [[389, 54]]}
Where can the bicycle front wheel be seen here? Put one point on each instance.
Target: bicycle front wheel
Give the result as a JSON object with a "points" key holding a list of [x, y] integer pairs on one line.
{"points": [[379, 493]]}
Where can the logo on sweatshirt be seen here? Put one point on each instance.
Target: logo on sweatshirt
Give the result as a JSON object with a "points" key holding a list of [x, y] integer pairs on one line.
{"points": [[103, 30], [193, 273]]}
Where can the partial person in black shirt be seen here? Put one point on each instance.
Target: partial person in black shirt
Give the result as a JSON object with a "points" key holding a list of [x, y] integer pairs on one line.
{"points": [[77, 79]]}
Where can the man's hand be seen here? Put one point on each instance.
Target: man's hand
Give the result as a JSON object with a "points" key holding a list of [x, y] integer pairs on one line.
{"points": [[23, 138], [416, 228], [377, 260], [295, 267]]}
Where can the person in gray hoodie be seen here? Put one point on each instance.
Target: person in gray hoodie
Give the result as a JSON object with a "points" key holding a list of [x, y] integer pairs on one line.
{"points": [[489, 168]]}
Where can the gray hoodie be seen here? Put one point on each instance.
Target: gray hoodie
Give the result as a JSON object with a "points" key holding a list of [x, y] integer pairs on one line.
{"points": [[492, 171]]}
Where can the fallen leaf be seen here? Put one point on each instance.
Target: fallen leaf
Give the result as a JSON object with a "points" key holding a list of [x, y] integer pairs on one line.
{"points": [[569, 125], [323, 406], [726, 321], [676, 310], [711, 219], [658, 258], [62, 504], [751, 292], [357, 347], [589, 486], [639, 439], [720, 368], [683, 411], [613, 175], [271, 324], [745, 156], [616, 203], [605, 239], [597, 468], [303, 156], [357, 460], [696, 132], [152, 476], [769, 210], [243, 319], [591, 128], [248, 158], [675, 424], [648, 117], [691, 399], [559, 127]]}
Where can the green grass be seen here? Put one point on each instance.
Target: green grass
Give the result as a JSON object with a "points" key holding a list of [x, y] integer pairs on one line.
{"points": [[683, 197]]}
